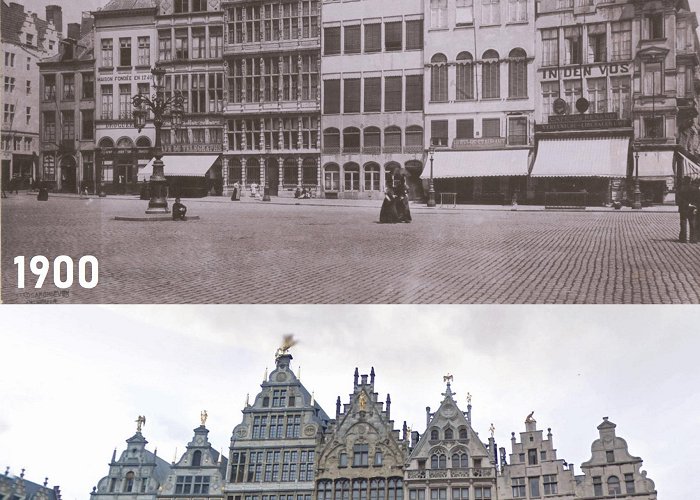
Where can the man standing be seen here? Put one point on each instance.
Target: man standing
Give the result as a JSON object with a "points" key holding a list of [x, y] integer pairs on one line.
{"points": [[694, 210], [684, 193]]}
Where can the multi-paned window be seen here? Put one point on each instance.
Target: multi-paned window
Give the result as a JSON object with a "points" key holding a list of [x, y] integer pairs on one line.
{"points": [[438, 78], [165, 46], [181, 45], [198, 92], [597, 95], [125, 105], [621, 37], [107, 52], [597, 43], [517, 11], [653, 26], [482, 493], [197, 485], [216, 92], [360, 455], [125, 52], [653, 78], [490, 12], [49, 167], [373, 37], [373, 95], [107, 101], [517, 131], [216, 42], [572, 92], [465, 76], [438, 493], [68, 125], [49, 118], [629, 483], [550, 47], [517, 73], [199, 46], [621, 97], [460, 493], [88, 85], [597, 486], [49, 87], [464, 12], [143, 57], [550, 484], [68, 86], [491, 76], [573, 45], [438, 13], [518, 485]]}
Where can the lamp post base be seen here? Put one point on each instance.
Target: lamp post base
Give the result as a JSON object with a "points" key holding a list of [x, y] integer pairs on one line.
{"points": [[158, 204], [637, 203], [266, 193], [431, 194]]}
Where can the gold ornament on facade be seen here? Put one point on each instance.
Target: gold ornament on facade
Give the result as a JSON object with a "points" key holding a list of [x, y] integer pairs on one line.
{"points": [[203, 417], [140, 422], [287, 343], [362, 400]]}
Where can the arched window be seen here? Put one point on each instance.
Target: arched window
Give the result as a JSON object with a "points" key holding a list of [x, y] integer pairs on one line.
{"points": [[351, 140], [460, 461], [377, 490], [342, 489], [372, 140], [143, 142], [395, 489], [106, 142], [125, 143], [325, 490], [392, 139], [438, 78], [434, 435], [465, 76], [372, 184], [438, 461], [462, 433], [197, 458], [351, 176], [491, 76], [414, 139], [614, 485], [449, 433], [129, 482], [331, 140], [517, 73], [331, 175]]}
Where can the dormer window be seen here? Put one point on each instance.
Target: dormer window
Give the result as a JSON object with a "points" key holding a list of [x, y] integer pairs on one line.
{"points": [[463, 433], [360, 455], [610, 456], [343, 460], [438, 461], [532, 457], [449, 434], [653, 26], [279, 398], [197, 458], [434, 435], [30, 39], [129, 482], [266, 402]]}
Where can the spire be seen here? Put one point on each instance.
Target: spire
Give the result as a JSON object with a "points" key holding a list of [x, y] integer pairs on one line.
{"points": [[247, 397], [388, 406], [356, 377], [448, 390], [371, 376], [114, 455], [175, 455], [337, 408], [313, 400], [265, 376]]}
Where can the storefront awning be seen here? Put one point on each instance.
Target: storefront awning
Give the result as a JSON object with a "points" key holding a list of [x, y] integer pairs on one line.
{"points": [[181, 166], [656, 164], [582, 157], [452, 164], [690, 168]]}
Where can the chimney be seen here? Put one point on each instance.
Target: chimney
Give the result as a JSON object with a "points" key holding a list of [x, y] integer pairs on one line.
{"points": [[74, 31], [54, 13], [86, 24]]}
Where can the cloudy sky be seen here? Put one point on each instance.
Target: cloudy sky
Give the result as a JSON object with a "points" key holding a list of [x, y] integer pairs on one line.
{"points": [[75, 378]]}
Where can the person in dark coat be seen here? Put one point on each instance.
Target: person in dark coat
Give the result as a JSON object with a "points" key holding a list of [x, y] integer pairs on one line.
{"points": [[402, 208], [179, 210], [694, 211], [684, 193], [388, 214], [43, 194], [236, 190]]}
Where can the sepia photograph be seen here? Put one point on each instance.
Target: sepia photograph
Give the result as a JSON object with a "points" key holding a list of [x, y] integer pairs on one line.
{"points": [[349, 402], [350, 152]]}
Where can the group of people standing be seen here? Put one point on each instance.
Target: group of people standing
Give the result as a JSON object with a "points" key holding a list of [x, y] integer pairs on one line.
{"points": [[395, 206], [689, 208]]}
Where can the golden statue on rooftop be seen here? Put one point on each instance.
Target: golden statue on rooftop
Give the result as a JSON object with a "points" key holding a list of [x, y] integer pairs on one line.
{"points": [[203, 417], [140, 422]]}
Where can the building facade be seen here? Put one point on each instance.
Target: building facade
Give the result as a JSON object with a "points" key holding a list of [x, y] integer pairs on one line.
{"points": [[272, 452], [480, 96], [361, 455], [26, 39], [125, 50], [449, 461], [199, 473], [136, 474], [190, 48], [272, 111], [67, 119], [372, 72], [17, 488]]}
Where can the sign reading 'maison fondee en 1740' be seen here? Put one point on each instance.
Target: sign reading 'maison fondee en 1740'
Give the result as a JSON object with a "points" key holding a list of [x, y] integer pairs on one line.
{"points": [[592, 70]]}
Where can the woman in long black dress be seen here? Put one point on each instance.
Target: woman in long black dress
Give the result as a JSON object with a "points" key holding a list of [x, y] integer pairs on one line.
{"points": [[402, 208], [388, 214]]}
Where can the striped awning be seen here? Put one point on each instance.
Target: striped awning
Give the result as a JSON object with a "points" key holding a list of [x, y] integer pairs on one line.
{"points": [[455, 164], [180, 166], [690, 168], [582, 157]]}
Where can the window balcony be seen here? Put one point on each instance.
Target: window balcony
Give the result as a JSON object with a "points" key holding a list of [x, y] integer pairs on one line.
{"points": [[472, 472]]}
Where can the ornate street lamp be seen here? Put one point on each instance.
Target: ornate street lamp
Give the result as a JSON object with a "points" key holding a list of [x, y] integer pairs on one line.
{"points": [[637, 203], [159, 105], [431, 187]]}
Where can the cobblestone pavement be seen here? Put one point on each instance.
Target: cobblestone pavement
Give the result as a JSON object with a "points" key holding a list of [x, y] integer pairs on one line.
{"points": [[254, 252]]}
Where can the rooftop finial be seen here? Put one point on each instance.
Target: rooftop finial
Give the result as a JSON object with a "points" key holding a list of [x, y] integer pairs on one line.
{"points": [[265, 376], [287, 343], [46, 481], [21, 474], [247, 399], [299, 373], [448, 378], [175, 455], [469, 398], [313, 400], [140, 422], [529, 419], [492, 429], [203, 417]]}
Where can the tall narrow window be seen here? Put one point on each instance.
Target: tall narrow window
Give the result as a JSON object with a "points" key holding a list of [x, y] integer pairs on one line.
{"points": [[49, 126], [653, 26], [373, 37], [49, 87], [414, 92], [125, 52], [491, 75], [107, 102], [464, 12], [198, 43], [438, 78], [393, 36], [144, 54], [534, 486], [653, 84], [181, 45], [573, 45], [572, 92], [351, 95], [629, 483], [68, 86], [125, 102], [351, 42], [614, 486], [438, 137], [621, 96], [331, 96], [621, 40], [438, 13], [393, 98], [517, 11], [107, 53], [490, 12], [165, 48], [597, 95], [517, 131], [216, 42], [550, 47], [87, 124], [414, 34], [331, 40], [517, 73], [597, 486], [373, 95], [597, 43], [88, 85]]}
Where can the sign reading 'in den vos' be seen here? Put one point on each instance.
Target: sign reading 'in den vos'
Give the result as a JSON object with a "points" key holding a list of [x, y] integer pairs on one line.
{"points": [[590, 70]]}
